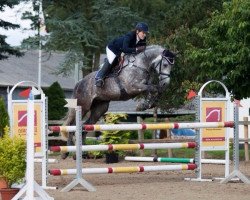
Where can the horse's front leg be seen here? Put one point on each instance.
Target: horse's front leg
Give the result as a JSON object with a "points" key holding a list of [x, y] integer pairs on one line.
{"points": [[149, 102], [141, 87]]}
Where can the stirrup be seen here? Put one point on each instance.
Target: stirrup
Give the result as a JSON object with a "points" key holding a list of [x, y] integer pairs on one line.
{"points": [[99, 83]]}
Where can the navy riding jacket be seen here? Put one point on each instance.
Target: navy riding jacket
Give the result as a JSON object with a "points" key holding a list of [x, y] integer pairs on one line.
{"points": [[126, 44]]}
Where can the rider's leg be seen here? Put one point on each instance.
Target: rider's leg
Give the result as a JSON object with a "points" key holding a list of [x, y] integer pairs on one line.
{"points": [[111, 57], [99, 79]]}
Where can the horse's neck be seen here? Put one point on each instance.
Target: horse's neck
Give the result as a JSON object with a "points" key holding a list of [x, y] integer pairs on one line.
{"points": [[149, 56]]}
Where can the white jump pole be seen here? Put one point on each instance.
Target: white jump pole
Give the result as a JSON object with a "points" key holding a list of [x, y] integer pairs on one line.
{"points": [[160, 126], [108, 170], [173, 160], [124, 147]]}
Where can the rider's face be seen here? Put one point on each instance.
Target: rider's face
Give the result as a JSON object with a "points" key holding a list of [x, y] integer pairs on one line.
{"points": [[141, 35]]}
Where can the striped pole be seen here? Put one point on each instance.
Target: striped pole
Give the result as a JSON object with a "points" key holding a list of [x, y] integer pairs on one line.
{"points": [[124, 147], [173, 160], [160, 159], [159, 126], [58, 172]]}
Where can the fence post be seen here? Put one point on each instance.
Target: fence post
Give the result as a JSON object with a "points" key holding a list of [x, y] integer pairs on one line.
{"points": [[140, 135], [245, 119]]}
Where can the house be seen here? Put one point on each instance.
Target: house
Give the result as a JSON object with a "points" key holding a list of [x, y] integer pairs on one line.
{"points": [[25, 68]]}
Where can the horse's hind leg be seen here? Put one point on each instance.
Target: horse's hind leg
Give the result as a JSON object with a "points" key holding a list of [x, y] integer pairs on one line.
{"points": [[68, 136], [98, 109], [69, 121]]}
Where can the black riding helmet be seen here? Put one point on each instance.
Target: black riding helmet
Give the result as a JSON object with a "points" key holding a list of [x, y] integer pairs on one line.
{"points": [[142, 26]]}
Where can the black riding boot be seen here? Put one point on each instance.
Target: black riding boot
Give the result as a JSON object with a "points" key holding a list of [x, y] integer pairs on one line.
{"points": [[99, 79]]}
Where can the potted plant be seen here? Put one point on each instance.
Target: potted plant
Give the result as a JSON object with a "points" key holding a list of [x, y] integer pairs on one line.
{"points": [[12, 163], [114, 137]]}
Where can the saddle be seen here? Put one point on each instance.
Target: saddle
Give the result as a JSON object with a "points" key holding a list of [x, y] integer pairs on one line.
{"points": [[119, 64]]}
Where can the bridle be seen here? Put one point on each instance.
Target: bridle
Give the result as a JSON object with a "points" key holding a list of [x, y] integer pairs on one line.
{"points": [[170, 62]]}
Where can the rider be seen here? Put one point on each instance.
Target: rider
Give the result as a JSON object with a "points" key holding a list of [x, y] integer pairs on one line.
{"points": [[132, 42]]}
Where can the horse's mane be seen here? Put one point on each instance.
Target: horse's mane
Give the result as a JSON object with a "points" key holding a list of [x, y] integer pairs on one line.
{"points": [[151, 49]]}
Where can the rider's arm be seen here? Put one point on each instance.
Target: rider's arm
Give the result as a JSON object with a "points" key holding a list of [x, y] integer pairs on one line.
{"points": [[126, 41]]}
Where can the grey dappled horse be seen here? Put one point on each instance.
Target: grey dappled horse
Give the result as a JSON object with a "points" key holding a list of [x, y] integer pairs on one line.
{"points": [[135, 78]]}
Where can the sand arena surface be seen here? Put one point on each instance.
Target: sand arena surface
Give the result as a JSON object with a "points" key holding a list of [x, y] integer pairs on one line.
{"points": [[147, 185]]}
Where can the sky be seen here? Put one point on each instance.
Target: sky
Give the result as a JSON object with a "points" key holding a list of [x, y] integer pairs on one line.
{"points": [[14, 37]]}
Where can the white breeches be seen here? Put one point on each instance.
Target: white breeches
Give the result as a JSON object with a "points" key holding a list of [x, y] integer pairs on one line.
{"points": [[110, 55]]}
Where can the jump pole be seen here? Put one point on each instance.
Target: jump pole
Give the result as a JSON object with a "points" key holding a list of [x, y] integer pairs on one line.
{"points": [[173, 160], [108, 170], [123, 147], [159, 126]]}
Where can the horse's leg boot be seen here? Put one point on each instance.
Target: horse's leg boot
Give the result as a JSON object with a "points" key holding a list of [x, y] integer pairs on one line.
{"points": [[99, 79]]}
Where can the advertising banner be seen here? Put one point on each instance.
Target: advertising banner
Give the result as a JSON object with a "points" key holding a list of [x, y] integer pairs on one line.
{"points": [[20, 122]]}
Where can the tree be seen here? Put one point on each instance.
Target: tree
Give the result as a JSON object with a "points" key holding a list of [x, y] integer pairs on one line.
{"points": [[56, 99], [225, 50], [4, 117], [5, 48], [82, 28], [32, 42], [181, 19]]}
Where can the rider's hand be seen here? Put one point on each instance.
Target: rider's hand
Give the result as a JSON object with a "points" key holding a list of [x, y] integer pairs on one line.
{"points": [[140, 49]]}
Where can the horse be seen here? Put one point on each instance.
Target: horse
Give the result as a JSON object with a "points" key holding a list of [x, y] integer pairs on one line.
{"points": [[135, 78]]}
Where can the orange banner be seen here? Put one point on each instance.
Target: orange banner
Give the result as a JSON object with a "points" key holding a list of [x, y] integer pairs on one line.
{"points": [[213, 111], [20, 122]]}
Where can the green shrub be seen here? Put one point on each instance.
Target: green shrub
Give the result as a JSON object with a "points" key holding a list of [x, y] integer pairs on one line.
{"points": [[4, 117], [12, 159], [56, 101], [115, 137]]}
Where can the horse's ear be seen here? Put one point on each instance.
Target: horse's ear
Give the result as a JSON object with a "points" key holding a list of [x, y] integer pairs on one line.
{"points": [[168, 53]]}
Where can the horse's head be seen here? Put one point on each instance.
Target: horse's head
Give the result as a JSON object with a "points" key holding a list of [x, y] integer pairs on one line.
{"points": [[163, 65]]}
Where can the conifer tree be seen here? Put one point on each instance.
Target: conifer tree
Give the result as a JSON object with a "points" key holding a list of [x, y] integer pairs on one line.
{"points": [[56, 101], [5, 48]]}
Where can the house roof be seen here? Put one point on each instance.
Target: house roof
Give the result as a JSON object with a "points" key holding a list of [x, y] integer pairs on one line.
{"points": [[16, 69]]}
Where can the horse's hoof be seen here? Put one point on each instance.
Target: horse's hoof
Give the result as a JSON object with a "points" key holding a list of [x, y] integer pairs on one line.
{"points": [[64, 155]]}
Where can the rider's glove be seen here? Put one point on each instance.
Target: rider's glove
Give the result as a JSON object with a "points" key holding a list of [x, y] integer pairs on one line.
{"points": [[140, 49]]}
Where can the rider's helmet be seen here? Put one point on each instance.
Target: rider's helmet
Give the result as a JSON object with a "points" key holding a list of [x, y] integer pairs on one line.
{"points": [[142, 26]]}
